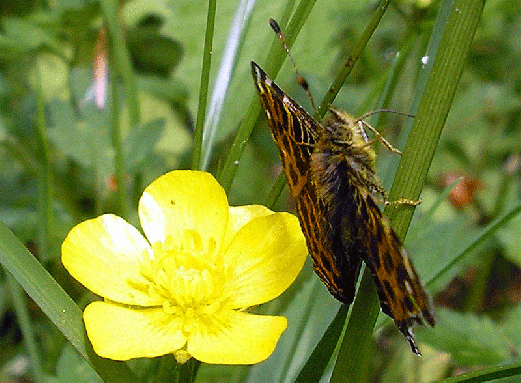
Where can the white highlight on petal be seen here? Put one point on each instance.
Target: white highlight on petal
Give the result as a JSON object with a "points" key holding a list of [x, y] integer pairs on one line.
{"points": [[119, 234], [156, 218]]}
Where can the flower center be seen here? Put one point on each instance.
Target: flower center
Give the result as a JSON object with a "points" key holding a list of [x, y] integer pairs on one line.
{"points": [[188, 278]]}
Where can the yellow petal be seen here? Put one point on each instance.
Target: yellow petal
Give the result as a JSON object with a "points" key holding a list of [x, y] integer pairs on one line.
{"points": [[184, 200], [265, 257], [246, 339], [105, 253], [241, 215], [121, 333]]}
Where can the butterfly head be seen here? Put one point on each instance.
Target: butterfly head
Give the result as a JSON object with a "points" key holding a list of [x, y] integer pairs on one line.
{"points": [[345, 131]]}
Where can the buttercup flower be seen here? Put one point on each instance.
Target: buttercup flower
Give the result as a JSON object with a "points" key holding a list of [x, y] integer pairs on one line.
{"points": [[185, 288]]}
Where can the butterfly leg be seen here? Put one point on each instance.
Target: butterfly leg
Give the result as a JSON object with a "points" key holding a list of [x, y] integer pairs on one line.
{"points": [[381, 196], [404, 201], [379, 137]]}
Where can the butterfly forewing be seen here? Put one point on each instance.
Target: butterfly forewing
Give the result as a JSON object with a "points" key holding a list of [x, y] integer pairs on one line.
{"points": [[296, 133]]}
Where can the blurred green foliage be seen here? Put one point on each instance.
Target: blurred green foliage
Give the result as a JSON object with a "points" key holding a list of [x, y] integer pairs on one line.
{"points": [[63, 162]]}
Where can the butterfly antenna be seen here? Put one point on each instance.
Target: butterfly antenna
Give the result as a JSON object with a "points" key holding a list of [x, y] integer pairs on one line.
{"points": [[300, 79], [387, 144], [384, 111]]}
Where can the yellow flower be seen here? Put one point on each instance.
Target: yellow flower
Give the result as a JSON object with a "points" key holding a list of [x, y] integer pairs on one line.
{"points": [[185, 288]]}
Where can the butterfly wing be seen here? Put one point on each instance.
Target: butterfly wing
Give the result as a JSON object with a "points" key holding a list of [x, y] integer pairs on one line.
{"points": [[295, 132], [346, 171], [401, 293]]}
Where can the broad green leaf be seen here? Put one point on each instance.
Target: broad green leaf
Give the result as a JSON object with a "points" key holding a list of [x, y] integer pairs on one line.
{"points": [[469, 338]]}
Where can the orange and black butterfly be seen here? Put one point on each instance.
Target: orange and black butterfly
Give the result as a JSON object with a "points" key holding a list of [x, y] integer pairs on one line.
{"points": [[330, 171]]}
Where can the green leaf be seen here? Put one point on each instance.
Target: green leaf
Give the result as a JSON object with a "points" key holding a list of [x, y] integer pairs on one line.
{"points": [[470, 339], [152, 53], [69, 135], [29, 36], [509, 236], [511, 325], [140, 142], [71, 367], [170, 90]]}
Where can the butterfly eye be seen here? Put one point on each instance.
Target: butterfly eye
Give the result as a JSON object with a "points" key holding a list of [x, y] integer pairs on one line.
{"points": [[347, 133]]}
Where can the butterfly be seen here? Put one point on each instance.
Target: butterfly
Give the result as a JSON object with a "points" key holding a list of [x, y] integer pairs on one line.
{"points": [[330, 171]]}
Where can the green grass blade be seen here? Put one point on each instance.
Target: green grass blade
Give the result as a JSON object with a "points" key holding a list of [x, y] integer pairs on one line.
{"points": [[486, 374], [121, 56], [29, 336], [119, 155], [319, 359], [46, 222], [203, 88], [56, 304], [352, 59], [433, 109], [353, 357], [274, 61], [417, 156]]}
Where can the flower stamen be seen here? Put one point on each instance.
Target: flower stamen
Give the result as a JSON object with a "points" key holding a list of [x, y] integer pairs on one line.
{"points": [[182, 278]]}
